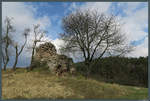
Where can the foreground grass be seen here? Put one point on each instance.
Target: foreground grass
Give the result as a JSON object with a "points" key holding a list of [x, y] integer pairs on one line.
{"points": [[44, 85]]}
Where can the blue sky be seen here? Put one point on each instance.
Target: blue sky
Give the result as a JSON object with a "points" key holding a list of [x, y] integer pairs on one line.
{"points": [[57, 10], [133, 16], [138, 42]]}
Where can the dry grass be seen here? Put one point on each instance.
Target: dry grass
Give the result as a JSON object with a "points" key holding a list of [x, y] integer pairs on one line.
{"points": [[32, 85], [44, 85]]}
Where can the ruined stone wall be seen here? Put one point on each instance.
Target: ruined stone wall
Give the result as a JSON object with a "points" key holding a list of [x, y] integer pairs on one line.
{"points": [[47, 53]]}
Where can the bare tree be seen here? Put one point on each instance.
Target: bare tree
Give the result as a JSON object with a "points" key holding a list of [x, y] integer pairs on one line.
{"points": [[94, 35], [6, 40], [25, 34], [38, 37]]}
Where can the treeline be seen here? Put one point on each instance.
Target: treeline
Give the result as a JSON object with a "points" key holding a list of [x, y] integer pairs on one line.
{"points": [[122, 70]]}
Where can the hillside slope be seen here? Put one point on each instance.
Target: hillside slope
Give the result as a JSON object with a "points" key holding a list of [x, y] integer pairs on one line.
{"points": [[44, 85]]}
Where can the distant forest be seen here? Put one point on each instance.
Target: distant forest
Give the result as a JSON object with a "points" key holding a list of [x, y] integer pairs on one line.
{"points": [[122, 70]]}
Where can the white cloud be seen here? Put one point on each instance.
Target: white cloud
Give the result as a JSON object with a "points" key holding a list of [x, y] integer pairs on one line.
{"points": [[73, 6], [99, 6], [58, 43], [130, 6], [23, 15], [135, 23], [140, 50]]}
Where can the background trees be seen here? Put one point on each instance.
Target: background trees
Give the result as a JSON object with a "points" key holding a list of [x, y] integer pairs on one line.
{"points": [[94, 35], [120, 70]]}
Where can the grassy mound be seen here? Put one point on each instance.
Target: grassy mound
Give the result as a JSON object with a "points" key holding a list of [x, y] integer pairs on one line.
{"points": [[44, 85]]}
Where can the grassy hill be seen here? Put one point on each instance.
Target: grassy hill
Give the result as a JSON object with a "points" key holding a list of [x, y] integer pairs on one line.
{"points": [[41, 84]]}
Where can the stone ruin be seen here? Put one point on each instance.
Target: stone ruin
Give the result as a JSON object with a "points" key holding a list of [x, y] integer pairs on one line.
{"points": [[47, 53]]}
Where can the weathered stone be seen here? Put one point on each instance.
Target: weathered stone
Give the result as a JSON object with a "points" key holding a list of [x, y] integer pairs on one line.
{"points": [[47, 53]]}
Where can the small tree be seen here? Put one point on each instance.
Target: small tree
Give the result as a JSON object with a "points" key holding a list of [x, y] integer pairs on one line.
{"points": [[94, 35], [6, 40], [38, 37], [25, 34]]}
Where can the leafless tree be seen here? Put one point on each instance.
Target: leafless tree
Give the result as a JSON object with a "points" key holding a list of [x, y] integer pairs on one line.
{"points": [[25, 34], [6, 40], [38, 37], [94, 35]]}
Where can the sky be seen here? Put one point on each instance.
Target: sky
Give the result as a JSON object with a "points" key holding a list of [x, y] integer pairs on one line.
{"points": [[133, 16]]}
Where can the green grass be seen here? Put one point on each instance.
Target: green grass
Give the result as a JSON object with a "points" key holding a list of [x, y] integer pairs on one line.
{"points": [[41, 84]]}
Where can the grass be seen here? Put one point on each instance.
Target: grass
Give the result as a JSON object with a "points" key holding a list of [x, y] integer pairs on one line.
{"points": [[41, 84]]}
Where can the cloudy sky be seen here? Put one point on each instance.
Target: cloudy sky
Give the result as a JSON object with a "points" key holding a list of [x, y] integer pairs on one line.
{"points": [[133, 15]]}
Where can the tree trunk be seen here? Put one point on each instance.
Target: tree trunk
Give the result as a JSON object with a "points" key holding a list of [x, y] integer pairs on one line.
{"points": [[18, 53], [5, 66], [7, 57], [87, 69], [16, 60], [32, 59]]}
